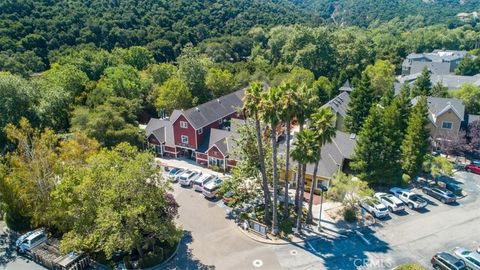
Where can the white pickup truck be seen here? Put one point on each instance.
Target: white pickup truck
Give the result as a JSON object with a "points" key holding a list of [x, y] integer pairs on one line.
{"points": [[374, 207], [411, 199]]}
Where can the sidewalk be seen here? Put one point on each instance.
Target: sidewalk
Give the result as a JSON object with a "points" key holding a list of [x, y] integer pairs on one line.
{"points": [[186, 164]]}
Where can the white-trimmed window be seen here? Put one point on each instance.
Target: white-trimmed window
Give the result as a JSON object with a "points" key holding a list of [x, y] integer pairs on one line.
{"points": [[447, 125], [183, 124], [185, 139], [200, 131]]}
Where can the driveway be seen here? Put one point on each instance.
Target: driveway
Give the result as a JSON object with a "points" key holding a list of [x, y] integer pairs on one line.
{"points": [[9, 259]]}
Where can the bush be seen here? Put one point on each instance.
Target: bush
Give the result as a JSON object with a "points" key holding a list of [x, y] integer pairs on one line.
{"points": [[17, 222], [410, 267], [350, 215]]}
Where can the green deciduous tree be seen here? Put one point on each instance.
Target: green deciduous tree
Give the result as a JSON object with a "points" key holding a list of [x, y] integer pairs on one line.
{"points": [[193, 70], [160, 73], [361, 100], [470, 95], [173, 94], [17, 100], [415, 145], [135, 56], [219, 82], [120, 81], [382, 76], [110, 123], [118, 202]]}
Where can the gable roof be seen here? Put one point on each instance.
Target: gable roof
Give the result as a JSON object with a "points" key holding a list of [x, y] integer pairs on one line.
{"points": [[224, 140], [161, 129], [346, 87], [438, 106], [339, 104], [438, 68], [333, 154], [212, 111]]}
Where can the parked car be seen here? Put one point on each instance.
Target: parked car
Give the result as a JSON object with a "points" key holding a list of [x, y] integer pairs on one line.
{"points": [[411, 199], [201, 181], [447, 261], [187, 178], [449, 184], [25, 243], [474, 168], [393, 203], [440, 194], [374, 207], [470, 258], [173, 173], [228, 197], [211, 188]]}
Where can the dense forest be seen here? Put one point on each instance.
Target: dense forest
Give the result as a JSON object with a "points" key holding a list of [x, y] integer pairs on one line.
{"points": [[34, 32], [366, 12]]}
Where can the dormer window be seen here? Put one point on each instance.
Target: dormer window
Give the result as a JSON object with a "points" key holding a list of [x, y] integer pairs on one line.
{"points": [[447, 125], [183, 124]]}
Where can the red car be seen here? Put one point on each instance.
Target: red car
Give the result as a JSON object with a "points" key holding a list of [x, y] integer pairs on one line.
{"points": [[473, 168]]}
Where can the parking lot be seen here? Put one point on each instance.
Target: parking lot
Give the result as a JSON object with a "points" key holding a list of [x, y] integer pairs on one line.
{"points": [[411, 236]]}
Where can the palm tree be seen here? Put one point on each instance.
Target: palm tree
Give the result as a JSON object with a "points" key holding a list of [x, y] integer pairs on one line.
{"points": [[250, 108], [305, 151], [323, 124], [306, 101], [287, 112], [270, 114]]}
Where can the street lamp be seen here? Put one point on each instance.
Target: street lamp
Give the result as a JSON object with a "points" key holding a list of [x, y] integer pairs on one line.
{"points": [[324, 189]]}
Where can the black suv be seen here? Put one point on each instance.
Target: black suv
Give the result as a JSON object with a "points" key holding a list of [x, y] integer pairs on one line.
{"points": [[446, 261], [440, 194]]}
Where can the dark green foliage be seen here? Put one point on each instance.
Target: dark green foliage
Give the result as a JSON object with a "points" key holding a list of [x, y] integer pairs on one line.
{"points": [[361, 100], [415, 145], [110, 123], [469, 66], [370, 149], [422, 85], [438, 90], [350, 215]]}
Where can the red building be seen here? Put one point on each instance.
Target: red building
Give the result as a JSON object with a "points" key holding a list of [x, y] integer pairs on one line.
{"points": [[203, 133]]}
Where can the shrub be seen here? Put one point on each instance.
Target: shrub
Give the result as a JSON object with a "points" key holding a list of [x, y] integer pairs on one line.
{"points": [[350, 215], [410, 267]]}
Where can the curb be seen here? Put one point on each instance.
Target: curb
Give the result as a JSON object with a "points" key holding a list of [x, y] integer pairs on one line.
{"points": [[164, 263], [285, 242]]}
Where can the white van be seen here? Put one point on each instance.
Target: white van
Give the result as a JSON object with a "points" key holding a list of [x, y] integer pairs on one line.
{"points": [[211, 188], [30, 240], [201, 181], [187, 178]]}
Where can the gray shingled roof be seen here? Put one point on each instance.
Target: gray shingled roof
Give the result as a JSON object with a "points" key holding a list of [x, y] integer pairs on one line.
{"points": [[439, 55], [455, 81], [346, 87], [162, 130], [224, 139], [214, 110], [333, 154], [437, 68], [437, 106], [339, 104]]}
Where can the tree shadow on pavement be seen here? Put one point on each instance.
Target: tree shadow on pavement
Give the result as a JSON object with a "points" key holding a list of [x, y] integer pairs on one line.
{"points": [[348, 251], [184, 259]]}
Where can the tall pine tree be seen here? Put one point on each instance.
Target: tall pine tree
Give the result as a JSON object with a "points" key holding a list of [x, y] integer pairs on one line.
{"points": [[361, 100], [392, 124], [422, 85], [415, 145], [369, 152]]}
